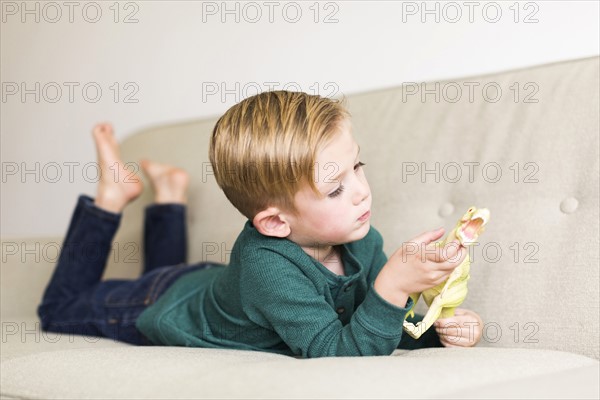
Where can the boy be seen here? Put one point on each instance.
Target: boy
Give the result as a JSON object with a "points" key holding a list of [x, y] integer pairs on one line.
{"points": [[307, 274]]}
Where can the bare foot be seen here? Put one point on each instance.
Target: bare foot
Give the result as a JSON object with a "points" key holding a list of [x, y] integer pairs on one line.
{"points": [[169, 183], [118, 185]]}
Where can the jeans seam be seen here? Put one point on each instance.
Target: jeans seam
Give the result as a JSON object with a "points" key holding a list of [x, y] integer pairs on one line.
{"points": [[150, 298], [158, 286], [144, 302], [158, 280]]}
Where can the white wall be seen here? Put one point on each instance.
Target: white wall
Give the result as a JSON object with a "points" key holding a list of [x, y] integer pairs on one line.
{"points": [[176, 50]]}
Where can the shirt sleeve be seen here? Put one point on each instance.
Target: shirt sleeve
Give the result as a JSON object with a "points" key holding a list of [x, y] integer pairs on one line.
{"points": [[277, 295], [428, 339], [378, 259]]}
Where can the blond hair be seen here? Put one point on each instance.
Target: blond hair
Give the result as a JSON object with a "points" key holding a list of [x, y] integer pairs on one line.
{"points": [[263, 149]]}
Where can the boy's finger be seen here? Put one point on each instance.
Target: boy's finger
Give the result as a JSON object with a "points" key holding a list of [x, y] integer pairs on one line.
{"points": [[457, 342], [453, 250], [451, 322], [447, 323], [450, 250], [455, 332], [428, 237], [449, 253], [454, 261]]}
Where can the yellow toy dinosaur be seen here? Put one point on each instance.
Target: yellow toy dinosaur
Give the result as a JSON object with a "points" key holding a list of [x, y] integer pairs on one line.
{"points": [[445, 297]]}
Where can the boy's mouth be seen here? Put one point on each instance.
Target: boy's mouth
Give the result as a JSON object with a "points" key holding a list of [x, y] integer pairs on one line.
{"points": [[365, 216]]}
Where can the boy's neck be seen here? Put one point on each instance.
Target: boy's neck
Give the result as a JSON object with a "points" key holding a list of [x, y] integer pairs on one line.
{"points": [[329, 256], [322, 254]]}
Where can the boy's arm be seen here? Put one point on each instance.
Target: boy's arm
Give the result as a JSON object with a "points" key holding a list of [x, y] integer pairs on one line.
{"points": [[277, 295], [430, 338]]}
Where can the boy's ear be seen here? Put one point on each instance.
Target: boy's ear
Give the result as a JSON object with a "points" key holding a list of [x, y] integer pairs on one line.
{"points": [[271, 222]]}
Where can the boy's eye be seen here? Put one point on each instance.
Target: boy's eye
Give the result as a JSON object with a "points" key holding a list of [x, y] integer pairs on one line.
{"points": [[336, 192], [339, 190]]}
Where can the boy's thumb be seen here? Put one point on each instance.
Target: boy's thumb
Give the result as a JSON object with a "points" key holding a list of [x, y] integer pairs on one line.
{"points": [[428, 237]]}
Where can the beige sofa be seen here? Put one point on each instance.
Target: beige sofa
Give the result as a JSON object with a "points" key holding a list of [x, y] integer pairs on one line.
{"points": [[522, 143]]}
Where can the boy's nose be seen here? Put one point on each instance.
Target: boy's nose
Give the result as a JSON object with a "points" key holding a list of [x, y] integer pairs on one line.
{"points": [[362, 193]]}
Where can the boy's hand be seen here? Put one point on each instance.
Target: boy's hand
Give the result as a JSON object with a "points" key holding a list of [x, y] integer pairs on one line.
{"points": [[462, 330], [416, 266]]}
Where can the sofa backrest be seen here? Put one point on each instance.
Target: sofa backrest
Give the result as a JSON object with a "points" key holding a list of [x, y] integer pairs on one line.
{"points": [[522, 143]]}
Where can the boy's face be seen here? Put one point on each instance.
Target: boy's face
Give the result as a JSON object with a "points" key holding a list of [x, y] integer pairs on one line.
{"points": [[342, 213]]}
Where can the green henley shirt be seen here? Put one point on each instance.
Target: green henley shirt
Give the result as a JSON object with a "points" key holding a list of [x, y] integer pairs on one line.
{"points": [[274, 297]]}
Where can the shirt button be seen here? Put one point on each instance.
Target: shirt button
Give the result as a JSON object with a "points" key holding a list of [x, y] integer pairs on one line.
{"points": [[340, 310]]}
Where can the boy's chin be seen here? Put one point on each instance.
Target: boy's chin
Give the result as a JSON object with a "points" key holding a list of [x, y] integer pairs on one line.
{"points": [[360, 232]]}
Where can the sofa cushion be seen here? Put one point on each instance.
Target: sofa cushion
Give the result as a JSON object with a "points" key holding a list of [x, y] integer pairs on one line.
{"points": [[124, 371], [575, 383], [23, 337]]}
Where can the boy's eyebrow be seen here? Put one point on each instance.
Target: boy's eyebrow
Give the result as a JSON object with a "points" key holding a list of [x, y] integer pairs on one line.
{"points": [[335, 178]]}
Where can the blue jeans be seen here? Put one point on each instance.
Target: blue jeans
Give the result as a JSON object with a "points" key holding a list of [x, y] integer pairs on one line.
{"points": [[76, 301]]}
